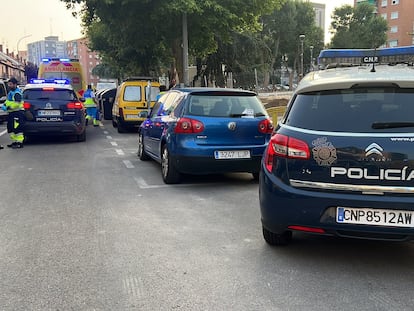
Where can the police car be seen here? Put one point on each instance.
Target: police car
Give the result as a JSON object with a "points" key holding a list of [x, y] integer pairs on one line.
{"points": [[341, 161], [53, 108]]}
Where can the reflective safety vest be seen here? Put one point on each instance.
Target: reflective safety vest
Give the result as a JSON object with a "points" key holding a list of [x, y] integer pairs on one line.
{"points": [[89, 99], [13, 105]]}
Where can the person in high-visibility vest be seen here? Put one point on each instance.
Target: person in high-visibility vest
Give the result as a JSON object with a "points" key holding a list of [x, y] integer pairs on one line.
{"points": [[90, 105], [15, 120]]}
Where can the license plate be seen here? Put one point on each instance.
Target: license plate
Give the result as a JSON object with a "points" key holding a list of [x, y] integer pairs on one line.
{"points": [[131, 116], [44, 113], [232, 154], [375, 217]]}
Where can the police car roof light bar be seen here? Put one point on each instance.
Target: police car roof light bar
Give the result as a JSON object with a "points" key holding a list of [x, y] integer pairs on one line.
{"points": [[54, 81], [357, 57]]}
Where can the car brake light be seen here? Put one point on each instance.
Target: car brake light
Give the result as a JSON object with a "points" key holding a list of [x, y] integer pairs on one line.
{"points": [[266, 126], [286, 147], [26, 105], [48, 88], [188, 126], [74, 105]]}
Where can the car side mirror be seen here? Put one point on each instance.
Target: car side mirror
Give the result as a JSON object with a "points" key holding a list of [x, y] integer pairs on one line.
{"points": [[82, 99], [3, 99], [143, 114]]}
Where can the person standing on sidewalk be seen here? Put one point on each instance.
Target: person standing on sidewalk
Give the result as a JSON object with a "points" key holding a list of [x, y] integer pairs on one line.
{"points": [[90, 105], [16, 118]]}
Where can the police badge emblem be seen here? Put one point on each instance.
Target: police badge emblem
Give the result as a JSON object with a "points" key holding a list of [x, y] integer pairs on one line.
{"points": [[324, 152]]}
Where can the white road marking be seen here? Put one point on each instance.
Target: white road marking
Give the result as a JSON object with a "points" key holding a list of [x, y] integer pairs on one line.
{"points": [[142, 184], [128, 164], [3, 132], [106, 132], [119, 152], [109, 137], [114, 143]]}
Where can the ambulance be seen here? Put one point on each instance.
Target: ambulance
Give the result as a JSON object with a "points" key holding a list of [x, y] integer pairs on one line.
{"points": [[64, 68]]}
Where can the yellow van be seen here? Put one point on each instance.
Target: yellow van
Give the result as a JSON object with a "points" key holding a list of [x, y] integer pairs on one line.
{"points": [[131, 102], [64, 68]]}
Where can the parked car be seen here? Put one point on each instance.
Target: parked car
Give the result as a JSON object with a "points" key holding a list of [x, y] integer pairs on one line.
{"points": [[3, 97], [52, 108], [205, 131], [341, 161], [106, 100], [131, 104]]}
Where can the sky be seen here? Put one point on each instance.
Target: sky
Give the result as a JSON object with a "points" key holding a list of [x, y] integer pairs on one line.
{"points": [[41, 18]]}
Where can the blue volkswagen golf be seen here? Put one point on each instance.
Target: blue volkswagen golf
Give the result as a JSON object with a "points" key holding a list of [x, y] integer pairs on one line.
{"points": [[341, 162], [205, 131]]}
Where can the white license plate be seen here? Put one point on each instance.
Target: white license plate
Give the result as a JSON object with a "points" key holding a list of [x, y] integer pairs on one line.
{"points": [[44, 113], [131, 116], [232, 154], [375, 217]]}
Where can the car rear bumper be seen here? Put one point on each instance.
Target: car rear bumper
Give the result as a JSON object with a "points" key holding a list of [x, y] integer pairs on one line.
{"points": [[282, 206], [53, 128], [208, 165]]}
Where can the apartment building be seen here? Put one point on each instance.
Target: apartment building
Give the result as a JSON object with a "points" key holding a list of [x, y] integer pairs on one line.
{"points": [[49, 47], [78, 48], [400, 17]]}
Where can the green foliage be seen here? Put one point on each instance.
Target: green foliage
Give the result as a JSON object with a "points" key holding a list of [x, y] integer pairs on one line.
{"points": [[142, 36], [358, 27]]}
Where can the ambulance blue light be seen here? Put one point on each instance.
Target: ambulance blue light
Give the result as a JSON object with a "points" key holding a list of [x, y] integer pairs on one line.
{"points": [[45, 60], [64, 59]]}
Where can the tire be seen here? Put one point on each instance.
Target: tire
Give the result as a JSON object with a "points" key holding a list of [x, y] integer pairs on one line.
{"points": [[81, 137], [121, 129], [275, 239], [141, 152], [114, 124], [170, 175]]}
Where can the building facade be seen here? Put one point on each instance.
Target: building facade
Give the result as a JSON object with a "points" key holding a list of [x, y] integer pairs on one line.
{"points": [[78, 48], [48, 48], [400, 17], [10, 66]]}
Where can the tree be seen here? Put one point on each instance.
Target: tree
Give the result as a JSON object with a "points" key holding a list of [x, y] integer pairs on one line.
{"points": [[142, 37], [358, 27], [30, 71]]}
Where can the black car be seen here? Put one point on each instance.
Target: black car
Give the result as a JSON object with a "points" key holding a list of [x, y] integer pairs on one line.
{"points": [[341, 161], [52, 108]]}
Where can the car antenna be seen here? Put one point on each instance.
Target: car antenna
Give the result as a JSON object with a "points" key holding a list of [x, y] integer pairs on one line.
{"points": [[373, 62]]}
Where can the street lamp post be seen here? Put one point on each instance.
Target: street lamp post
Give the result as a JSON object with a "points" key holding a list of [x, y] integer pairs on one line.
{"points": [[311, 58], [18, 42], [301, 38]]}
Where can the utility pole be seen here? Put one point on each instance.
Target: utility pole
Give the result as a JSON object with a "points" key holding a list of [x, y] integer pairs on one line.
{"points": [[185, 51], [301, 38]]}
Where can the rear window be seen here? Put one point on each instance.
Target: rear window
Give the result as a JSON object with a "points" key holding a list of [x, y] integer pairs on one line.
{"points": [[353, 110], [33, 94], [225, 106], [132, 93]]}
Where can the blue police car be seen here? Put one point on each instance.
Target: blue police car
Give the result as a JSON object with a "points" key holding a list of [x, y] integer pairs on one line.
{"points": [[341, 162]]}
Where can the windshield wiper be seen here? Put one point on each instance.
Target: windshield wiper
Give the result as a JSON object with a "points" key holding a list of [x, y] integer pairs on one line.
{"points": [[391, 125]]}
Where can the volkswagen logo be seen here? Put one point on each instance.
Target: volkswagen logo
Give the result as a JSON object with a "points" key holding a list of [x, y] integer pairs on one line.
{"points": [[231, 126], [48, 106]]}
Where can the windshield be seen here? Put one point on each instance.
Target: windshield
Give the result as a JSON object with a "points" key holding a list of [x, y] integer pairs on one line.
{"points": [[353, 110]]}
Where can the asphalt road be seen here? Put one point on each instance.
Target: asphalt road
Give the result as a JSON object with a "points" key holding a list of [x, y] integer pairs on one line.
{"points": [[88, 226]]}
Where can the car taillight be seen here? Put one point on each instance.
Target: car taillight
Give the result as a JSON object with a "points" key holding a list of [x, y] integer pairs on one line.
{"points": [[286, 147], [26, 105], [74, 105], [188, 126], [266, 126]]}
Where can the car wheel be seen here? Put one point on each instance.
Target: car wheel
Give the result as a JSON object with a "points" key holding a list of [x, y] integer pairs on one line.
{"points": [[114, 124], [82, 136], [276, 239], [141, 152], [121, 128], [170, 175]]}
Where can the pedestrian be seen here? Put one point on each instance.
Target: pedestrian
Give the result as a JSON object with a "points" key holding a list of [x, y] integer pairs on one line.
{"points": [[163, 89], [90, 105], [16, 118]]}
